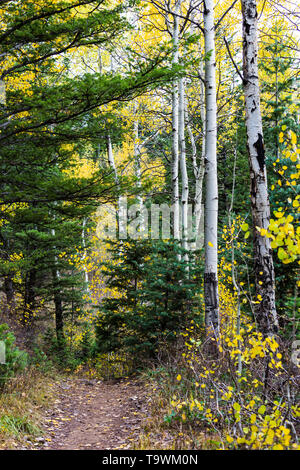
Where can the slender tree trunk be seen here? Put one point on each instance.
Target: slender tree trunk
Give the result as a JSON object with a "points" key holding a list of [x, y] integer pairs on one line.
{"points": [[9, 288], [198, 170], [86, 275], [137, 156], [211, 196], [110, 157], [8, 280], [29, 296], [237, 326], [137, 150], [59, 321], [112, 165], [266, 315], [175, 123], [184, 174], [201, 167]]}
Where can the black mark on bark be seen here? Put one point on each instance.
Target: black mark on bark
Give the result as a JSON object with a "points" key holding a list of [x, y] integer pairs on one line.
{"points": [[259, 145], [254, 107], [247, 27]]}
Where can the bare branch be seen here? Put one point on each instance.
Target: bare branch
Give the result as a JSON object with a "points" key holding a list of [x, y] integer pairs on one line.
{"points": [[232, 60], [225, 13]]}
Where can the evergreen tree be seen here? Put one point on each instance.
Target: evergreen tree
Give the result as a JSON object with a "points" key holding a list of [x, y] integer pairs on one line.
{"points": [[155, 296]]}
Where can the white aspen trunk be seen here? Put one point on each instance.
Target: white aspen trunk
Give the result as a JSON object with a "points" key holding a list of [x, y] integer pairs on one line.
{"points": [[86, 276], [201, 167], [109, 148], [203, 118], [266, 315], [137, 156], [175, 122], [198, 175], [184, 173], [137, 148], [112, 165], [99, 60], [2, 92], [198, 170], [110, 157], [138, 173], [211, 196], [57, 273]]}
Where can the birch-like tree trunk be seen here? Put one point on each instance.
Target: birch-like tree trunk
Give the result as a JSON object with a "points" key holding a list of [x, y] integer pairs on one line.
{"points": [[198, 169], [86, 275], [201, 168], [137, 156], [183, 168], [198, 163], [111, 159], [211, 197], [175, 122], [121, 216], [266, 315], [110, 153], [137, 150]]}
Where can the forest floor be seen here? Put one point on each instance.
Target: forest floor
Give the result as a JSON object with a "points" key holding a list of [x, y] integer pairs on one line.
{"points": [[89, 414]]}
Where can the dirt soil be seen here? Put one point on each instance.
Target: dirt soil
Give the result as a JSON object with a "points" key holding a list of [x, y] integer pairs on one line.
{"points": [[89, 414]]}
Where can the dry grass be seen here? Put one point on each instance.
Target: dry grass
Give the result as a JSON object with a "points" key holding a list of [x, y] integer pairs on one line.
{"points": [[22, 403]]}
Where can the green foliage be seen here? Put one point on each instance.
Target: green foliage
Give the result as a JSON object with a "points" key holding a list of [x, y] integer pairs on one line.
{"points": [[15, 359], [49, 116], [59, 352], [156, 296], [16, 425], [87, 344], [278, 84], [41, 361]]}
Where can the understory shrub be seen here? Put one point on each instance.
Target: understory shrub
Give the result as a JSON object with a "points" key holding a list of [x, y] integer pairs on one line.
{"points": [[151, 294], [246, 397], [16, 360]]}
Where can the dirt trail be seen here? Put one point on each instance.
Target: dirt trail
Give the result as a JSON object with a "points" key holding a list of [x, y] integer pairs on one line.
{"points": [[94, 415]]}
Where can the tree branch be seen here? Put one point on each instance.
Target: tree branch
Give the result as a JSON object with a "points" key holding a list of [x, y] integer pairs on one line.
{"points": [[232, 60]]}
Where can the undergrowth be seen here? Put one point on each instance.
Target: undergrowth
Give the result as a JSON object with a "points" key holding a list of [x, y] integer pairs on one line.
{"points": [[245, 397], [22, 402]]}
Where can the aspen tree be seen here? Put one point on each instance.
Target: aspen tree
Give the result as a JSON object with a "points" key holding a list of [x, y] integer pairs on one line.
{"points": [[175, 123], [211, 196], [266, 315], [137, 154], [183, 167], [198, 168], [110, 153], [83, 237]]}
